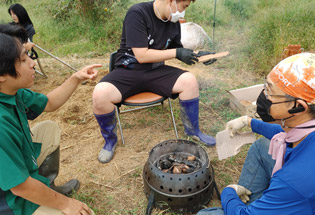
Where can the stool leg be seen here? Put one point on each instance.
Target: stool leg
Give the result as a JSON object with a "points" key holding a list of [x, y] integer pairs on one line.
{"points": [[118, 118], [173, 119]]}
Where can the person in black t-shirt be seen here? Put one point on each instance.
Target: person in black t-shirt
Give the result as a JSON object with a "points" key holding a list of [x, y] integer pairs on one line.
{"points": [[150, 35], [20, 16]]}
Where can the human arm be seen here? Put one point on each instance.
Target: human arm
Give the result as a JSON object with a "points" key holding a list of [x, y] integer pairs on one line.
{"points": [[278, 199], [266, 129], [61, 94], [146, 55], [38, 193]]}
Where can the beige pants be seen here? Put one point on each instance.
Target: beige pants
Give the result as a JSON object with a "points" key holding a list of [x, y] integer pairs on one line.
{"points": [[48, 133]]}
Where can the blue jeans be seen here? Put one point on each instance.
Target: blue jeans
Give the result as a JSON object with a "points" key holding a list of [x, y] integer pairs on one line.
{"points": [[255, 175]]}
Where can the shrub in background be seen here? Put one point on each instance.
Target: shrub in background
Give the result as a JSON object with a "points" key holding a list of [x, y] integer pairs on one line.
{"points": [[241, 8], [292, 22], [85, 27]]}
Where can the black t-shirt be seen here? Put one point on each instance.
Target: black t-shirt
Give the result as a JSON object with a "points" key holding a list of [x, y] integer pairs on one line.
{"points": [[29, 29], [142, 28]]}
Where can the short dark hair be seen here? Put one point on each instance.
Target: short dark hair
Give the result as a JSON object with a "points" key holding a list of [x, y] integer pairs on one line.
{"points": [[21, 13], [10, 51], [14, 31]]}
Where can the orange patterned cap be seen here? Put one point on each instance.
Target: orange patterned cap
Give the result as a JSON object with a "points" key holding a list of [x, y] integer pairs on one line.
{"points": [[295, 76]]}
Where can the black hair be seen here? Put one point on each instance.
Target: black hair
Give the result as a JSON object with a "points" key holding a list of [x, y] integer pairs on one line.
{"points": [[14, 31], [10, 48], [21, 13]]}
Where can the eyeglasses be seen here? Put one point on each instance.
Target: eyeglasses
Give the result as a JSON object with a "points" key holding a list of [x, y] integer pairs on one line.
{"points": [[280, 96], [268, 96], [33, 54]]}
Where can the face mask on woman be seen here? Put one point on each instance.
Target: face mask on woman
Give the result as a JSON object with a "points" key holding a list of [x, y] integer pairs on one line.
{"points": [[263, 108], [177, 15]]}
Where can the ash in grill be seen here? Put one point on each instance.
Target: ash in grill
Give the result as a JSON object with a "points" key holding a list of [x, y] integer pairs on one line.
{"points": [[177, 163], [182, 192]]}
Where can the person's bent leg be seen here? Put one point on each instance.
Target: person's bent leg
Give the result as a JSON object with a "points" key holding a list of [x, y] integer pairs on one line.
{"points": [[105, 95], [211, 211], [48, 133], [257, 169], [187, 87]]}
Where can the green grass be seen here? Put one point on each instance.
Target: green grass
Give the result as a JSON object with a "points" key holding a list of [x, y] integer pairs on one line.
{"points": [[67, 27], [260, 30], [292, 22]]}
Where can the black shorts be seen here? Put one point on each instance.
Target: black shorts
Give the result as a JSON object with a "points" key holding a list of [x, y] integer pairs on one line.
{"points": [[160, 80]]}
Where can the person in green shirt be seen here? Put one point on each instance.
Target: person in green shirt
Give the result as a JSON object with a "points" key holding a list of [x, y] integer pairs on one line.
{"points": [[23, 160]]}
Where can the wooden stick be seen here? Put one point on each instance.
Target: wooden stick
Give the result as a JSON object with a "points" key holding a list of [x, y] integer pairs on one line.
{"points": [[66, 147], [126, 173], [105, 185], [211, 56]]}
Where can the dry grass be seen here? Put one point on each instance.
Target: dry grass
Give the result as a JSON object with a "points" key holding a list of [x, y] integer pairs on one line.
{"points": [[117, 187]]}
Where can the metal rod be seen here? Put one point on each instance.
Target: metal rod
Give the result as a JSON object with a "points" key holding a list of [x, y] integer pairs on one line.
{"points": [[214, 13], [41, 68], [119, 123], [38, 72], [138, 108], [55, 58], [173, 119]]}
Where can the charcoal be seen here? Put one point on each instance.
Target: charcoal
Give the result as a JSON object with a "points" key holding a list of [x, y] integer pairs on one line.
{"points": [[178, 163], [165, 164]]}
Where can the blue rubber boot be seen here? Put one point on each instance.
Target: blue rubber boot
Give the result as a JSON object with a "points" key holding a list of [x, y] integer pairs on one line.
{"points": [[189, 110], [108, 127]]}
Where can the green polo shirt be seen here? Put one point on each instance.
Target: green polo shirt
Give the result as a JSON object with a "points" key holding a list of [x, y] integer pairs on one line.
{"points": [[18, 153]]}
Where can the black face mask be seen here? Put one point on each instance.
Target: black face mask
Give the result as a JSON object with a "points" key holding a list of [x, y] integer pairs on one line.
{"points": [[263, 108], [264, 104]]}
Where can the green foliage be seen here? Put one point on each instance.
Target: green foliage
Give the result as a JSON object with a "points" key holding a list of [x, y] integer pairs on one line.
{"points": [[84, 27], [95, 25], [202, 12], [241, 8], [8, 2], [292, 22]]}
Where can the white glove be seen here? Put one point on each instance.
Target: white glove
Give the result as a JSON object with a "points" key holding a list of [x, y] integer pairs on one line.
{"points": [[235, 125], [241, 191]]}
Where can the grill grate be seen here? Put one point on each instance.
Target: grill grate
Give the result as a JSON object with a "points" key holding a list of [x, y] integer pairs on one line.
{"points": [[182, 192]]}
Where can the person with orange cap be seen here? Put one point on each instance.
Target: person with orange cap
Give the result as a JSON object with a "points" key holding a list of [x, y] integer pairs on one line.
{"points": [[278, 174]]}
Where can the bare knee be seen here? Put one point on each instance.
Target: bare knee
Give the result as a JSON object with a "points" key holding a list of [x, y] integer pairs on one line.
{"points": [[190, 81], [105, 95], [187, 86]]}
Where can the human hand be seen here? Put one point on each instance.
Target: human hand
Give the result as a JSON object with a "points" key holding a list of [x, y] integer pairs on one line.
{"points": [[241, 191], [186, 55], [235, 125], [75, 207], [88, 72], [202, 53], [28, 46]]}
